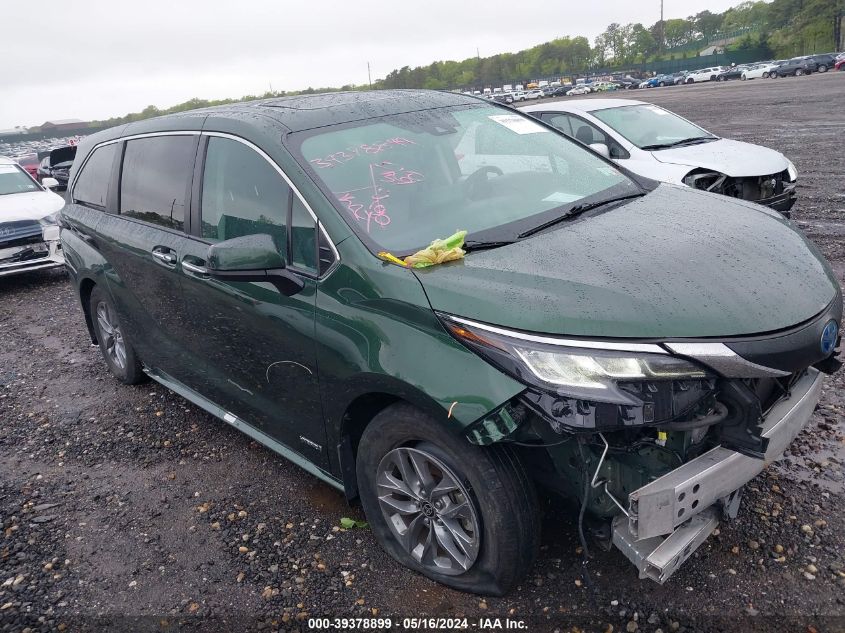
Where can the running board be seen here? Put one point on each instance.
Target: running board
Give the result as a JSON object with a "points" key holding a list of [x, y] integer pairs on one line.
{"points": [[659, 557]]}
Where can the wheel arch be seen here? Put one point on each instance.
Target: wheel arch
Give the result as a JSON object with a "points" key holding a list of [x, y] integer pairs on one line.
{"points": [[369, 396], [86, 287]]}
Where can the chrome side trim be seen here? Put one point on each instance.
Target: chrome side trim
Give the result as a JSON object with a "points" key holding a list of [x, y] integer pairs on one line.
{"points": [[230, 418], [647, 348], [724, 360], [232, 137], [125, 138]]}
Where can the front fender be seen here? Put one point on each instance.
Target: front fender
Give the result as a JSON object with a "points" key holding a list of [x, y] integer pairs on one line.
{"points": [[376, 333]]}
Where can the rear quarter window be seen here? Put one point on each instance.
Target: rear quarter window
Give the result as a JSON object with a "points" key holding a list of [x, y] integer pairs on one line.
{"points": [[92, 184]]}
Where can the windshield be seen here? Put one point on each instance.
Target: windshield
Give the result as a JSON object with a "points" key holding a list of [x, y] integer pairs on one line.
{"points": [[649, 126], [402, 181], [13, 179]]}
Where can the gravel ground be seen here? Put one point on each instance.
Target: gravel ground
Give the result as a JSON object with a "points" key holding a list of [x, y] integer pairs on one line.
{"points": [[127, 508]]}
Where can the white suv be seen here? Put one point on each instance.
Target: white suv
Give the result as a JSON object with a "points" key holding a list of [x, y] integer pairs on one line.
{"points": [[705, 74]]}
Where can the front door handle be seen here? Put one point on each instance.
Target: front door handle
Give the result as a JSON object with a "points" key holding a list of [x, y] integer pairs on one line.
{"points": [[164, 256], [200, 271]]}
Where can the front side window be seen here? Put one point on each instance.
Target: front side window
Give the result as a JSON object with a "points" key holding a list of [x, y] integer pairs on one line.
{"points": [[92, 184], [651, 127], [402, 181], [13, 179], [155, 179], [242, 194], [586, 133]]}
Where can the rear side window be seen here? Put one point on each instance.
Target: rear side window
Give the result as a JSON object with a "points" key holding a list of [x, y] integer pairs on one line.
{"points": [[155, 179], [92, 184], [242, 194]]}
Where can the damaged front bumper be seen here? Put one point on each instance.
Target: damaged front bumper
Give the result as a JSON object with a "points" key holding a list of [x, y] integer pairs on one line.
{"points": [[37, 252], [667, 519], [776, 191]]}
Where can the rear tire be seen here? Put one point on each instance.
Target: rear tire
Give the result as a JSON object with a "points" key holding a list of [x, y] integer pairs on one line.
{"points": [[799, 72], [118, 353], [765, 75], [822, 68], [498, 524], [690, 81]]}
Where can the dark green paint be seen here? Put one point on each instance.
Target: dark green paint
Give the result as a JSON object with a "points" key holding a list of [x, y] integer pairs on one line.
{"points": [[676, 263]]}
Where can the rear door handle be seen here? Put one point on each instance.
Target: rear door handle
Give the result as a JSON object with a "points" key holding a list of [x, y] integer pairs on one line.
{"points": [[164, 256]]}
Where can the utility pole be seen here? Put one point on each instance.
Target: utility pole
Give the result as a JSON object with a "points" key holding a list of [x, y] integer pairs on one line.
{"points": [[661, 44], [369, 76]]}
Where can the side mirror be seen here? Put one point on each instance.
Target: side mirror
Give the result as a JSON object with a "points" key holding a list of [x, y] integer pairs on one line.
{"points": [[251, 258], [49, 183], [600, 148]]}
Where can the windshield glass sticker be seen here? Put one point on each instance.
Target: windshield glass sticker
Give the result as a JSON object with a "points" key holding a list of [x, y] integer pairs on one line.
{"points": [[518, 124], [562, 197]]}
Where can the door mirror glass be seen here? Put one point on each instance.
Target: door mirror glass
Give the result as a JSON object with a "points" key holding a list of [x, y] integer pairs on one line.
{"points": [[247, 253], [600, 148]]}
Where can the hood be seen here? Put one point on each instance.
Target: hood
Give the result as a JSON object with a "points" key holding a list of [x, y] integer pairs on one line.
{"points": [[32, 205], [63, 155], [674, 263], [733, 158]]}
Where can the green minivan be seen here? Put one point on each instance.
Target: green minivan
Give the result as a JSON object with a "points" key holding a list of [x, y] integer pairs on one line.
{"points": [[642, 349]]}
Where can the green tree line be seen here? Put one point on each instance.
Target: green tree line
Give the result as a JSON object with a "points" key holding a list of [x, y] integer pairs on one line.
{"points": [[784, 28]]}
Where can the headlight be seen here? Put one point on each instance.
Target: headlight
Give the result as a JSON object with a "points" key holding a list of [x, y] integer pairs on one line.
{"points": [[790, 169], [591, 384], [51, 219]]}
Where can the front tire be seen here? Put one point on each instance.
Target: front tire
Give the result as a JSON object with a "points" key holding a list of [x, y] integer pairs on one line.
{"points": [[799, 72], [463, 515], [118, 353], [822, 68], [765, 75]]}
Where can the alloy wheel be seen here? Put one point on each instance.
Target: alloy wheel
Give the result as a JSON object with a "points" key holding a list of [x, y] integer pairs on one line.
{"points": [[111, 334], [429, 510]]}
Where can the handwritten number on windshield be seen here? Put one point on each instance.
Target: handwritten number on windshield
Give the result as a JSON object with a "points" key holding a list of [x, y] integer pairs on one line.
{"points": [[336, 159]]}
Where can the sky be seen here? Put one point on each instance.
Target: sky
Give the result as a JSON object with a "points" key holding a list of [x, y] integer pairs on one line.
{"points": [[94, 59]]}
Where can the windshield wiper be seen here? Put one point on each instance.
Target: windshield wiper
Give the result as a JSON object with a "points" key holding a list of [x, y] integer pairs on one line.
{"points": [[683, 141], [578, 209], [480, 245]]}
